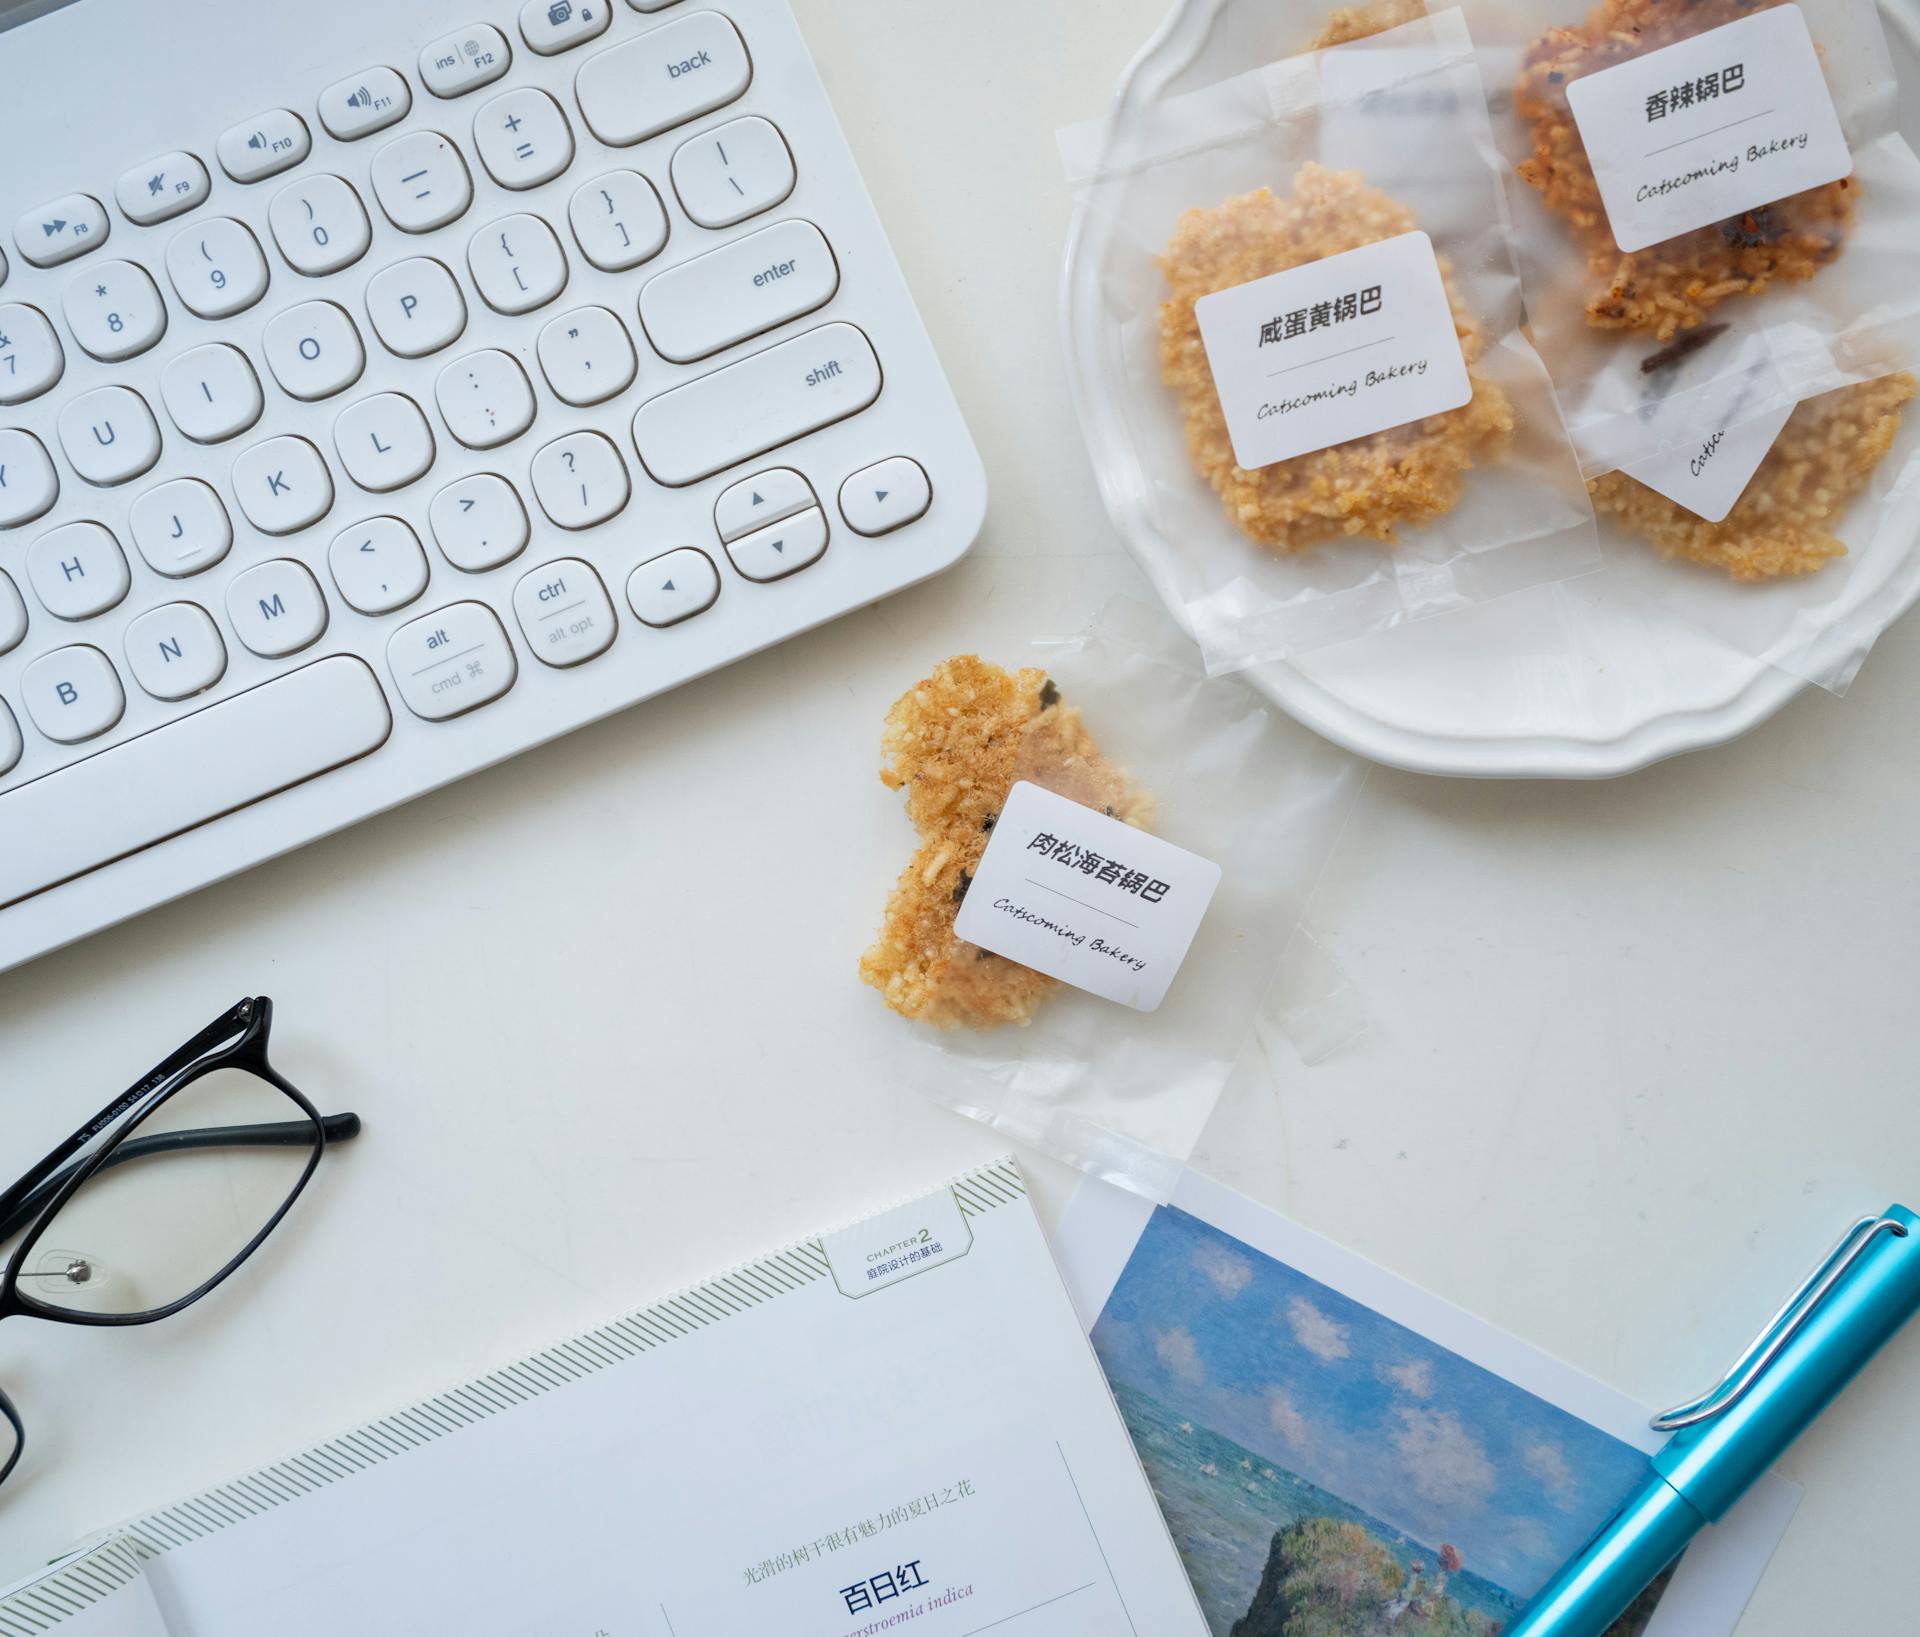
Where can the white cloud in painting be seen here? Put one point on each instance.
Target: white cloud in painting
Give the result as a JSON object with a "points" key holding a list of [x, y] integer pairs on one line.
{"points": [[1227, 1273], [1548, 1462], [1285, 1419], [1178, 1352], [1324, 1338], [1443, 1460], [1414, 1378]]}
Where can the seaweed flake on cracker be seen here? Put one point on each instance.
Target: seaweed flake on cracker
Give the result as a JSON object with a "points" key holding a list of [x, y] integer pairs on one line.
{"points": [[1783, 522], [957, 742], [1368, 486], [1671, 286]]}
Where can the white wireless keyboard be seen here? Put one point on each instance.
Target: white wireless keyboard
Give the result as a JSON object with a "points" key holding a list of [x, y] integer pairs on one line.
{"points": [[385, 389]]}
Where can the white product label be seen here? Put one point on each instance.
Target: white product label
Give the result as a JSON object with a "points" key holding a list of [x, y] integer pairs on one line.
{"points": [[1086, 899], [1710, 128], [1707, 477], [1334, 350]]}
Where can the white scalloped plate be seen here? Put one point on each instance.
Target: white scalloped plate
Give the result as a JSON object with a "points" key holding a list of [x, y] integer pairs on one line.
{"points": [[1587, 679]]}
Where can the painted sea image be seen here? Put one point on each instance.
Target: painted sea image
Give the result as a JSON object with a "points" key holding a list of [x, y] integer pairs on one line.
{"points": [[1327, 1472]]}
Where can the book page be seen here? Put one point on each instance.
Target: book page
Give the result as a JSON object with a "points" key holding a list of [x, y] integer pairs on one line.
{"points": [[899, 1427], [97, 1591]]}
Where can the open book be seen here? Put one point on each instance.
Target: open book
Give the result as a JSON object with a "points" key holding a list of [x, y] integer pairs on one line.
{"points": [[899, 1426]]}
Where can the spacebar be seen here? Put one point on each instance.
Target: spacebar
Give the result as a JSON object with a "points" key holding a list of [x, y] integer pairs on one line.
{"points": [[189, 772]]}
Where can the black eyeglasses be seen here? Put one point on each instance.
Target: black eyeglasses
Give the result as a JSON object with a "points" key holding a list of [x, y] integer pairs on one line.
{"points": [[113, 1238]]}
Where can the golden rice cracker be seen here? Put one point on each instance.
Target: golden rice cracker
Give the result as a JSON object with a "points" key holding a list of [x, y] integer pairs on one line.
{"points": [[1783, 521], [1674, 285], [1367, 486], [1351, 23], [957, 743]]}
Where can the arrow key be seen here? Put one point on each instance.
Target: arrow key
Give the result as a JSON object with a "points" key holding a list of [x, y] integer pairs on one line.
{"points": [[764, 498], [672, 587], [886, 496], [781, 549], [61, 230]]}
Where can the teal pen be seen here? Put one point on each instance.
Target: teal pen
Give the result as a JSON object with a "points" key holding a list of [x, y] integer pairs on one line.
{"points": [[1846, 1311]]}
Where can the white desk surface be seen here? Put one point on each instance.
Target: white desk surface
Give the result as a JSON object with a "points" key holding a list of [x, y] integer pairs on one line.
{"points": [[1638, 1049]]}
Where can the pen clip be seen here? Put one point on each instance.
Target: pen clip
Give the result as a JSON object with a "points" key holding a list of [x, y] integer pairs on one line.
{"points": [[1800, 1307]]}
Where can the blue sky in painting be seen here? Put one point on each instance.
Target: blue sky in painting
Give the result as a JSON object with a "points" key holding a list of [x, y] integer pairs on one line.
{"points": [[1370, 1411]]}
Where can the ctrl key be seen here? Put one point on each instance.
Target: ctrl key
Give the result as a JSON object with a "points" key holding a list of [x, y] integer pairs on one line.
{"points": [[451, 661]]}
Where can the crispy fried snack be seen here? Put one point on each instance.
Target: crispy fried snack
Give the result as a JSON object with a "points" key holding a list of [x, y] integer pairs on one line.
{"points": [[1671, 286], [1781, 523], [1351, 23], [1368, 486], [958, 742]]}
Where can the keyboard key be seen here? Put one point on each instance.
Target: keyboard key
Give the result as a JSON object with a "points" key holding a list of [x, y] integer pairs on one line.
{"points": [[282, 485], [13, 615], [732, 172], [190, 771], [28, 487], [742, 289], [757, 404], [886, 496], [551, 26], [61, 230], [663, 78], [216, 268], [416, 307], [78, 571], [31, 357], [586, 356], [672, 587], [476, 55], [313, 350], [114, 310], [517, 263], [523, 138], [211, 393], [565, 613], [264, 146], [580, 480], [618, 220], [9, 739], [162, 188], [479, 522], [109, 435], [320, 225], [384, 442], [452, 661], [174, 651], [421, 182], [181, 528], [364, 103], [652, 5], [781, 549], [378, 565], [276, 608], [484, 399], [73, 695], [764, 498]]}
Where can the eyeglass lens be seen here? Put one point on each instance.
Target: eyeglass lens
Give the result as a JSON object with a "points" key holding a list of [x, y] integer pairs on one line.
{"points": [[157, 1222]]}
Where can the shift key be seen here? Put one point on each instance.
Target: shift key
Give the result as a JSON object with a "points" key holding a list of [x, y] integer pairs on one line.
{"points": [[755, 405]]}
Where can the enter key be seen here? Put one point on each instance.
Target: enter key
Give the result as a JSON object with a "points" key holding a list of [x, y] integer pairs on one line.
{"points": [[742, 289]]}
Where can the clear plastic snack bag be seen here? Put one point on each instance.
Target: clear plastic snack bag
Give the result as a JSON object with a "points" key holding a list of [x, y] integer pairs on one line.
{"points": [[1717, 215], [1147, 836], [1301, 369]]}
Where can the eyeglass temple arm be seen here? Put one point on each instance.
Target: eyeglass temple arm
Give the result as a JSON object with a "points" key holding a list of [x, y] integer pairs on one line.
{"points": [[277, 1134], [247, 1014]]}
